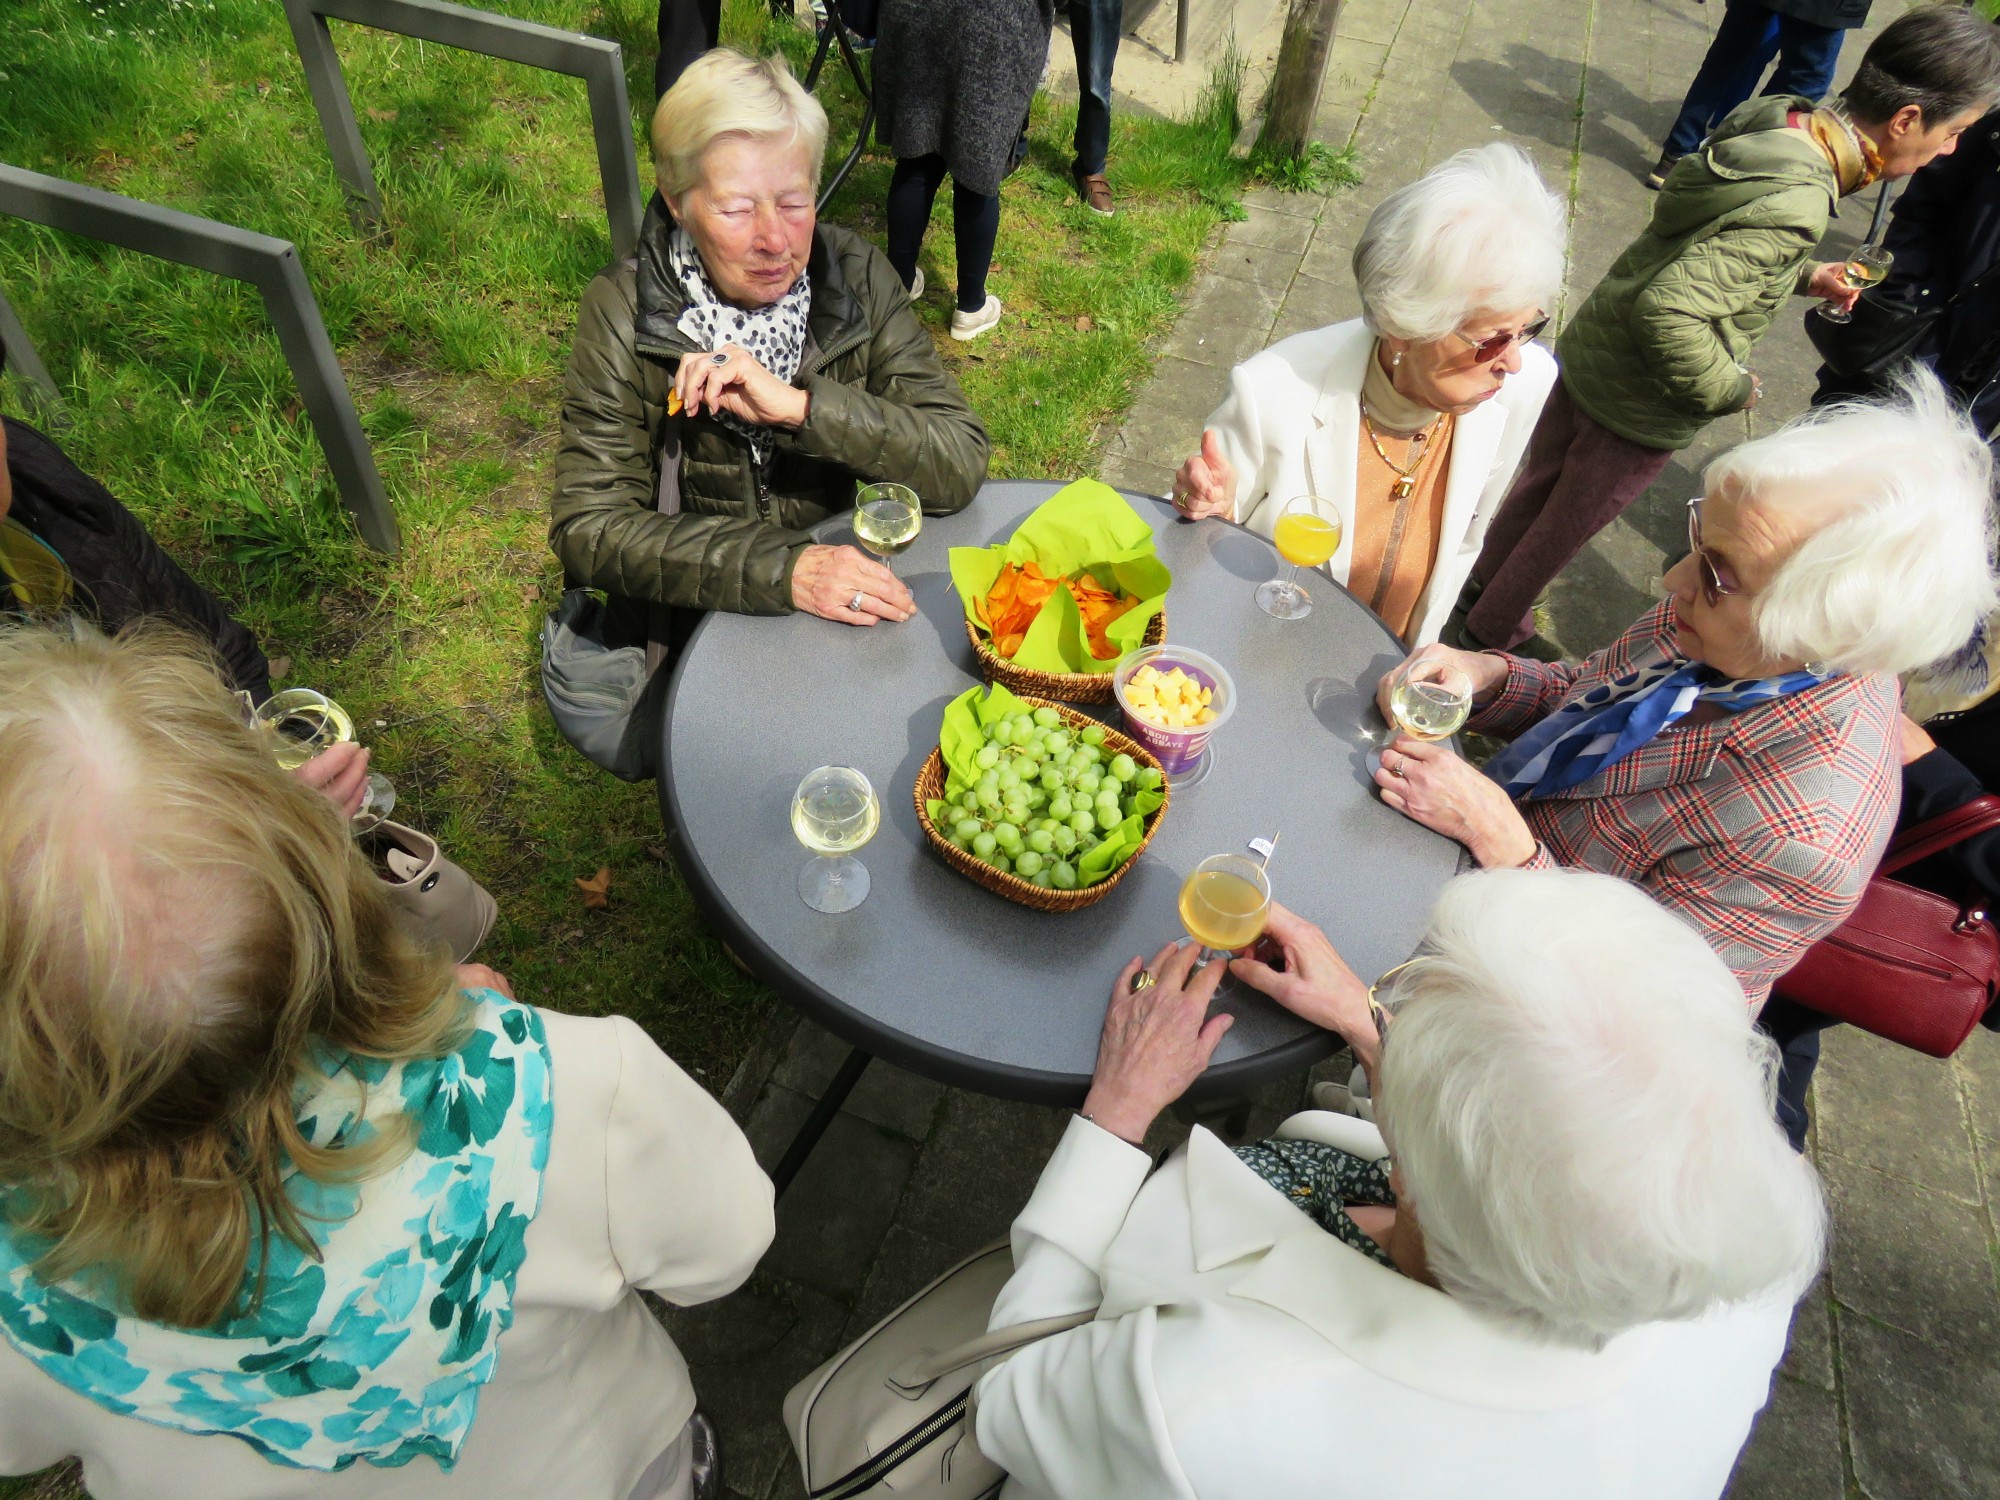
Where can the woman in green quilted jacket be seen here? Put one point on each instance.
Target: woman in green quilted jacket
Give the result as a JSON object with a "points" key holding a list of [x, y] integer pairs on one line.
{"points": [[1662, 346], [732, 382]]}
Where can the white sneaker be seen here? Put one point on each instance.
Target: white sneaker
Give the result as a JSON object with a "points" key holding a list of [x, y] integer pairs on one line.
{"points": [[917, 286], [965, 325], [1350, 1098]]}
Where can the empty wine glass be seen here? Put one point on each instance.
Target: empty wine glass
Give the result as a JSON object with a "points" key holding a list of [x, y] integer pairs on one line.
{"points": [[834, 812]]}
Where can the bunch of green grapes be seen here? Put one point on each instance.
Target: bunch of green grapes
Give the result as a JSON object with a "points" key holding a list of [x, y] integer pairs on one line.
{"points": [[1044, 797]]}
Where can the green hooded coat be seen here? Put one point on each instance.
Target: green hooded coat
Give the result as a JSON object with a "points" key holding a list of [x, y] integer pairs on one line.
{"points": [[1660, 348]]}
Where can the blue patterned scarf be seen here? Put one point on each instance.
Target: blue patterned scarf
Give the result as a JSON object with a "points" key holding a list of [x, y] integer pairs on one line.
{"points": [[1592, 733], [378, 1349]]}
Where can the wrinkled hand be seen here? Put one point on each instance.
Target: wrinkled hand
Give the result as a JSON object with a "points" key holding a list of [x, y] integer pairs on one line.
{"points": [[1206, 484], [826, 579], [479, 977], [1828, 283], [1917, 742], [1156, 1042], [1487, 670], [340, 774], [1432, 785], [1315, 985], [739, 386]]}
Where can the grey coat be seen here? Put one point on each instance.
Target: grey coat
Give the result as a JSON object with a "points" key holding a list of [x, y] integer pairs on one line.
{"points": [[953, 78]]}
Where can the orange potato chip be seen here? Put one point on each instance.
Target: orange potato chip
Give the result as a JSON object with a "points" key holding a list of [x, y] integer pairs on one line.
{"points": [[1019, 593]]}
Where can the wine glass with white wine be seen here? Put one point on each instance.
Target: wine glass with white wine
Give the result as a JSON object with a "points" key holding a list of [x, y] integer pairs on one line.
{"points": [[298, 723], [1429, 700], [887, 518], [834, 812], [1225, 902], [1866, 267]]}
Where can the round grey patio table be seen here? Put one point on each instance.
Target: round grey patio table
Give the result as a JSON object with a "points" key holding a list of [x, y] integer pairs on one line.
{"points": [[942, 976]]}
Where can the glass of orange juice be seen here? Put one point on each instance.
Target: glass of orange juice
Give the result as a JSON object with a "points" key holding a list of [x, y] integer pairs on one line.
{"points": [[1307, 534], [1224, 904]]}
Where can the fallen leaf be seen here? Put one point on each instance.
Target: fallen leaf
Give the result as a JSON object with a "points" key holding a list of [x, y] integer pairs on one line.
{"points": [[382, 116], [596, 890], [660, 854], [185, 139], [1083, 324], [281, 666]]}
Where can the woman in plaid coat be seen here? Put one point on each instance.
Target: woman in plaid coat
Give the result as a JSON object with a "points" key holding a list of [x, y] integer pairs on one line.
{"points": [[1736, 751]]}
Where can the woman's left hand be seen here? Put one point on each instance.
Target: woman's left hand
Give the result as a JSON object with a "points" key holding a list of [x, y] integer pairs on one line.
{"points": [[1434, 786], [731, 380], [1156, 1042], [479, 977]]}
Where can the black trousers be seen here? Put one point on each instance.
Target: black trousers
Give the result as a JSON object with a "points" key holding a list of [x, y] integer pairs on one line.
{"points": [[688, 28]]}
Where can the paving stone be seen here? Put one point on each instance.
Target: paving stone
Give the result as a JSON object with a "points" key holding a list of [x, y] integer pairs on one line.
{"points": [[1271, 229], [1809, 1352], [1794, 1450], [1166, 420], [1127, 473], [907, 1263], [1259, 263], [1978, 1068], [1916, 1259], [1895, 1109], [745, 1352], [887, 1095], [1226, 321], [996, 1143], [1920, 1417], [1276, 201], [842, 1202]]}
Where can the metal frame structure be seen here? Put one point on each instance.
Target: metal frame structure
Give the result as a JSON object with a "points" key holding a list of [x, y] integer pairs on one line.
{"points": [[599, 63], [270, 265], [833, 31]]}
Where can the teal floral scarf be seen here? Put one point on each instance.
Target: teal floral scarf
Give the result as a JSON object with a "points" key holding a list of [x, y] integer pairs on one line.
{"points": [[378, 1349]]}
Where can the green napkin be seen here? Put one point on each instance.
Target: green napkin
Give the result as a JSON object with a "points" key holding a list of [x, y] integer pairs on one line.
{"points": [[962, 734], [1085, 527]]}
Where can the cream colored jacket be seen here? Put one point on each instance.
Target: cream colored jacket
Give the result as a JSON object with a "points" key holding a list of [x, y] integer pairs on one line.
{"points": [[1291, 425], [1240, 1352], [649, 1184]]}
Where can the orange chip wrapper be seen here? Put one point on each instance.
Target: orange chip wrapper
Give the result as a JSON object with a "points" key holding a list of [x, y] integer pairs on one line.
{"points": [[1021, 590]]}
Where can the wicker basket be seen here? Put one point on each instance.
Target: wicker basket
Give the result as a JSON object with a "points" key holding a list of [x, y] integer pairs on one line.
{"points": [[1069, 687], [930, 784]]}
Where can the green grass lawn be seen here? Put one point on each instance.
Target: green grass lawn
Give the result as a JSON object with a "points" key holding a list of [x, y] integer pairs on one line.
{"points": [[454, 334]]}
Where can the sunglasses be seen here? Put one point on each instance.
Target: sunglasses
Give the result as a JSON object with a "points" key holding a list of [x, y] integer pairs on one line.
{"points": [[1713, 589], [1500, 343]]}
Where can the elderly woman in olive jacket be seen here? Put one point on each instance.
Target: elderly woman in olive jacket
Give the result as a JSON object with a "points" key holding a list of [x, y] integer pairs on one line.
{"points": [[732, 382]]}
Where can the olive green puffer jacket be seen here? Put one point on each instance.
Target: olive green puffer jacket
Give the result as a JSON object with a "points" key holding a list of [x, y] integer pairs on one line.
{"points": [[1657, 352], [883, 408]]}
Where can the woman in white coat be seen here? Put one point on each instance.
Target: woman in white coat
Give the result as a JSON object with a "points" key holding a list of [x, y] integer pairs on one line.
{"points": [[288, 1209], [1413, 417], [1574, 1281]]}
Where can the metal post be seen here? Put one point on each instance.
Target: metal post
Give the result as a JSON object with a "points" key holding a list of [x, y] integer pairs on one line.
{"points": [[26, 363], [1180, 30], [270, 265], [599, 63], [808, 1133], [1881, 216], [832, 31]]}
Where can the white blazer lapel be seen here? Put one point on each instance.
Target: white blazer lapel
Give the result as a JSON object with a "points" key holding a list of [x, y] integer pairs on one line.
{"points": [[1332, 450]]}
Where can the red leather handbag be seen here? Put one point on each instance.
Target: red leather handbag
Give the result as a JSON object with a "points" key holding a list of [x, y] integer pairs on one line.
{"points": [[1909, 965]]}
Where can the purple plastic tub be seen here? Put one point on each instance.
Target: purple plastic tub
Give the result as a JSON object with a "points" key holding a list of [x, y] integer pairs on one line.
{"points": [[1179, 750]]}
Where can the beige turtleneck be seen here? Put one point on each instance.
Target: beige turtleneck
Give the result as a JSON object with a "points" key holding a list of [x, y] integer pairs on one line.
{"points": [[1395, 541]]}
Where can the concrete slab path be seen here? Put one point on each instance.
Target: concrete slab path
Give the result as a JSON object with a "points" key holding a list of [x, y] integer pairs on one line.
{"points": [[1892, 1385]]}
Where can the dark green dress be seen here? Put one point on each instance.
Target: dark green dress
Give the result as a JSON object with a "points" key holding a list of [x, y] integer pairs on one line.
{"points": [[1322, 1180]]}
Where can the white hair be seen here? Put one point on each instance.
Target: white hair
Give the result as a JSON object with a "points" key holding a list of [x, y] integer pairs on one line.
{"points": [[1477, 234], [1581, 1112], [726, 93], [1901, 570]]}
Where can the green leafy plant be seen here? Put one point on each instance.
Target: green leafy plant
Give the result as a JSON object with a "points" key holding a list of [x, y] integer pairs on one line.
{"points": [[1318, 169]]}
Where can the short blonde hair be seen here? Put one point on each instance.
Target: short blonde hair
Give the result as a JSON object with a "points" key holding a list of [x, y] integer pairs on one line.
{"points": [[724, 93], [182, 924]]}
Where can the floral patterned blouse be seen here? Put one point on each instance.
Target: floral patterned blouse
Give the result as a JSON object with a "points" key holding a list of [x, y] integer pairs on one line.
{"points": [[1321, 1181]]}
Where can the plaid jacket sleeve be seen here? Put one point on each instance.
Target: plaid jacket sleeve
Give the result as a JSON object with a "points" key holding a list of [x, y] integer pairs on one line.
{"points": [[1530, 694]]}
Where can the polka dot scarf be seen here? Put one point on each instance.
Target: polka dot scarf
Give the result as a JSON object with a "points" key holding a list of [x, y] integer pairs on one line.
{"points": [[1595, 731], [774, 335]]}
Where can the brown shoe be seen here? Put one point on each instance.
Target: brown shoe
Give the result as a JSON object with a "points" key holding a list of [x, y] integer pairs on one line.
{"points": [[1095, 192]]}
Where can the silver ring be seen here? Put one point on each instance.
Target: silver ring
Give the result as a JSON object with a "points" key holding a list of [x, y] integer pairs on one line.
{"points": [[1143, 980], [855, 603], [720, 357]]}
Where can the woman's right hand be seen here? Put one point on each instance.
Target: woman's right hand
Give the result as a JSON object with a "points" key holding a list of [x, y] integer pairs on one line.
{"points": [[1206, 484], [1315, 984], [826, 581], [1487, 671], [340, 774]]}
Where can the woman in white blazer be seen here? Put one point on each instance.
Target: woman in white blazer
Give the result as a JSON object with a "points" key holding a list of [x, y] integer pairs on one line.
{"points": [[207, 1003], [1573, 1282], [1412, 418]]}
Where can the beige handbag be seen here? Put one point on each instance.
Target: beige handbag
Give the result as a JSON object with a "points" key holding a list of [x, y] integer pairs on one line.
{"points": [[888, 1415]]}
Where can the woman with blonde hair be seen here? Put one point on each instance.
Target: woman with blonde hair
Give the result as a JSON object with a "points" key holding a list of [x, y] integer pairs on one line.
{"points": [[288, 1207], [732, 382]]}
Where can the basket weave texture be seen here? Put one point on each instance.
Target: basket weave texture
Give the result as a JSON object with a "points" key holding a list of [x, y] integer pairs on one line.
{"points": [[1068, 687], [930, 784]]}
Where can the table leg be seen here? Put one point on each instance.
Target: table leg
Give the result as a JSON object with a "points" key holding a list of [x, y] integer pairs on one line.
{"points": [[822, 1116]]}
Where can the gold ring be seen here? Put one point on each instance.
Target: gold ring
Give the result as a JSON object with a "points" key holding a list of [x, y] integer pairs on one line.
{"points": [[1143, 980], [1397, 769]]}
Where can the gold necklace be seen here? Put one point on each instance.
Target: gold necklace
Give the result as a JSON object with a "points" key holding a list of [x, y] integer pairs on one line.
{"points": [[1406, 475]]}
